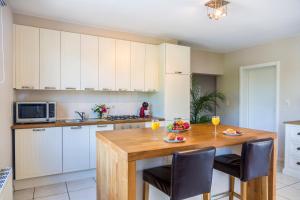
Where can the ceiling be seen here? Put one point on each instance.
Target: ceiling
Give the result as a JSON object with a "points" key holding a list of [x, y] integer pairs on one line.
{"points": [[249, 23]]}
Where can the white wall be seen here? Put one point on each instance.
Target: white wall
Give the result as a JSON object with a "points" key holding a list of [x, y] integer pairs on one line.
{"points": [[287, 52], [6, 91]]}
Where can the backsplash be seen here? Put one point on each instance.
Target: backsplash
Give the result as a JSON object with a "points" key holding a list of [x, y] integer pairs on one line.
{"points": [[121, 103]]}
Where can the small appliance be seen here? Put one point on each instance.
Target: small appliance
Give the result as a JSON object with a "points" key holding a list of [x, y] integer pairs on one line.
{"points": [[145, 111], [35, 112]]}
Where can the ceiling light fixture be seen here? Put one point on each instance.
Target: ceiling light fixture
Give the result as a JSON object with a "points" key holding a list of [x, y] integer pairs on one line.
{"points": [[216, 9]]}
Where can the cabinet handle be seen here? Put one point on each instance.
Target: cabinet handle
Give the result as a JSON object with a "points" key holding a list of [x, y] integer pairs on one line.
{"points": [[106, 89], [178, 72], [27, 87], [298, 163], [138, 90], [38, 129], [90, 89], [298, 133], [70, 88], [298, 148], [122, 90], [50, 88], [101, 126], [76, 127], [151, 90]]}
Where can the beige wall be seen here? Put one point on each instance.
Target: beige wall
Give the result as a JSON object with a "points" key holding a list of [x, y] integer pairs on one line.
{"points": [[287, 52], [204, 62], [6, 91]]}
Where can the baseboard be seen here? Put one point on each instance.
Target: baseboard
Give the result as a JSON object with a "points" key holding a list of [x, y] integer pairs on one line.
{"points": [[48, 180]]}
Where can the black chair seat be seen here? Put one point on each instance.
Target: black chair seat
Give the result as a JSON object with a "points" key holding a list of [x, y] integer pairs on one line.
{"points": [[229, 164], [160, 177]]}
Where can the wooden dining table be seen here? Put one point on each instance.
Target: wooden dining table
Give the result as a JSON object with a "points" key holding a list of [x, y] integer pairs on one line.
{"points": [[118, 151]]}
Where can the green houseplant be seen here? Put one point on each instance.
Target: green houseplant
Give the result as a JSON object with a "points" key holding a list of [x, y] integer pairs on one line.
{"points": [[203, 104]]}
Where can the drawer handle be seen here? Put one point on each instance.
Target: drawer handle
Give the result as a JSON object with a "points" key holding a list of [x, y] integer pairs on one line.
{"points": [[76, 127], [27, 87], [50, 88], [106, 89], [298, 163], [298, 133], [178, 72], [101, 126], [70, 88], [38, 129], [122, 90], [298, 148]]}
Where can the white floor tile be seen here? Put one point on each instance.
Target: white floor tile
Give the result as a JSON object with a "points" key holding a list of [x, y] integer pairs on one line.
{"points": [[86, 194], [50, 190], [289, 193], [281, 198], [286, 180], [26, 194], [64, 196], [81, 184]]}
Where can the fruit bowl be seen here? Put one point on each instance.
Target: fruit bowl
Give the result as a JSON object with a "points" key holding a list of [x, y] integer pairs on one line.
{"points": [[178, 126], [174, 138]]}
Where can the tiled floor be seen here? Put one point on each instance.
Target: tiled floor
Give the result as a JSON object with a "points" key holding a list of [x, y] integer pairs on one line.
{"points": [[288, 188]]}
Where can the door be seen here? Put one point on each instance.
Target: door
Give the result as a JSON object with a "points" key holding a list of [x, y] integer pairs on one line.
{"points": [[89, 62], [258, 100], [70, 61], [138, 53], [76, 143], [38, 152], [107, 64], [152, 68], [27, 57], [49, 59], [93, 131], [122, 65], [177, 59]]}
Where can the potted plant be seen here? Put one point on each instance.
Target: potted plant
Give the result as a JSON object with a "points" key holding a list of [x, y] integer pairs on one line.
{"points": [[100, 109]]}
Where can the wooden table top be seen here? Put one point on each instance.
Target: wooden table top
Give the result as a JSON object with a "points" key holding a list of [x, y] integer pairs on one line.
{"points": [[138, 144]]}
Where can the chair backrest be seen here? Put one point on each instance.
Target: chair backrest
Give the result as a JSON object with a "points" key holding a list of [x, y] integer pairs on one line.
{"points": [[256, 158], [192, 173]]}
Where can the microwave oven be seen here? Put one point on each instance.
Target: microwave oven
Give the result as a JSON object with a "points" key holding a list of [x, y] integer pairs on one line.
{"points": [[35, 112]]}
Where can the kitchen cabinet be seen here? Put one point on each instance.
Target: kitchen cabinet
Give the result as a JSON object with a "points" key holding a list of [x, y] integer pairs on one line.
{"points": [[93, 131], [89, 62], [107, 64], [152, 68], [177, 59], [122, 65], [38, 152], [49, 59], [76, 141], [138, 53], [27, 57], [70, 61]]}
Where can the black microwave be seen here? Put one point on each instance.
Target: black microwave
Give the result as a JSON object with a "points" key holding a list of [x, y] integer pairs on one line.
{"points": [[35, 112]]}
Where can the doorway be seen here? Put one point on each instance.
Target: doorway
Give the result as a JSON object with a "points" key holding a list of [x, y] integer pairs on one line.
{"points": [[259, 96]]}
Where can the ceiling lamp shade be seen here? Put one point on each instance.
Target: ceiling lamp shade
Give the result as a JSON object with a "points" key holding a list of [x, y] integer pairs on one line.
{"points": [[216, 9]]}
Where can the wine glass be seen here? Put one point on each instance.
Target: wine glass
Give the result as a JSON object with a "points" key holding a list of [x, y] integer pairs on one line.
{"points": [[215, 120], [155, 124]]}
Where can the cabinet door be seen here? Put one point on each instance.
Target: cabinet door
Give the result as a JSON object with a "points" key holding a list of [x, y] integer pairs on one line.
{"points": [[49, 59], [89, 62], [177, 59], [27, 57], [70, 61], [122, 65], [76, 148], [177, 96], [152, 68], [38, 152], [107, 64], [138, 53], [93, 131]]}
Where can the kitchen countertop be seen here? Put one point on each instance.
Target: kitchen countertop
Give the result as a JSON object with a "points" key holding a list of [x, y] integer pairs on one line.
{"points": [[62, 123], [292, 122]]}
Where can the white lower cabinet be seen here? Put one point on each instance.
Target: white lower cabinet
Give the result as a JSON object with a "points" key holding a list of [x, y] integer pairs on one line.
{"points": [[93, 131], [76, 151], [38, 152]]}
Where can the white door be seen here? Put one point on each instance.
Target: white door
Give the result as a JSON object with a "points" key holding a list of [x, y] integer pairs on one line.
{"points": [[38, 152], [152, 68], [76, 148], [107, 64], [93, 131], [49, 59], [89, 62], [177, 59], [138, 53], [27, 57], [258, 101], [122, 65], [70, 61]]}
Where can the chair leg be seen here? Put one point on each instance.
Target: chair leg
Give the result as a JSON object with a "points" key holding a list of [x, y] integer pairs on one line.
{"points": [[231, 188], [206, 196], [264, 191], [243, 190], [146, 191]]}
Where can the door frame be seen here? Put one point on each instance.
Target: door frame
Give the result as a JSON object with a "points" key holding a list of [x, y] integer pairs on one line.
{"points": [[241, 85]]}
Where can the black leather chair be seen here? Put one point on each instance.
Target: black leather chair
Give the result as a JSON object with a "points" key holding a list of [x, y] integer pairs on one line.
{"points": [[189, 175], [254, 162]]}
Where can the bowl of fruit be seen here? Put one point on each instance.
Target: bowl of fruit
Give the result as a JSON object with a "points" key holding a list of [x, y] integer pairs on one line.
{"points": [[178, 126], [174, 138]]}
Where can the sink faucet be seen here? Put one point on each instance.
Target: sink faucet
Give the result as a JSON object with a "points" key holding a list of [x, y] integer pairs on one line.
{"points": [[81, 115]]}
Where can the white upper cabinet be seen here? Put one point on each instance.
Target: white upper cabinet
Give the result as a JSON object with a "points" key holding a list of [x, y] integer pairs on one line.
{"points": [[177, 59], [107, 64], [70, 61], [89, 62], [152, 68], [27, 57], [138, 53], [49, 59], [122, 65]]}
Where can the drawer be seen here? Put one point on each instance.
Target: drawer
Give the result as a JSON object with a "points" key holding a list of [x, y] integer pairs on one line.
{"points": [[293, 134], [294, 162], [293, 149]]}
